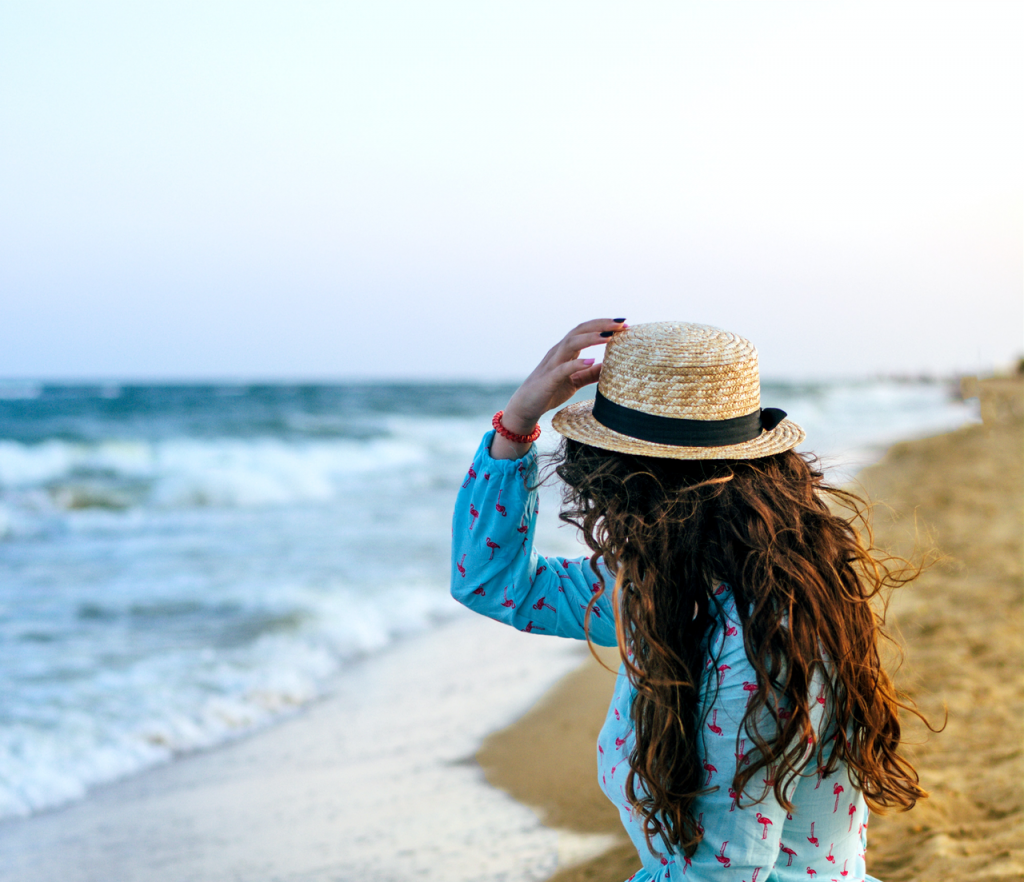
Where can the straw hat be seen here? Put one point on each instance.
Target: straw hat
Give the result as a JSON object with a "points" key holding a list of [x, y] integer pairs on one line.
{"points": [[679, 391]]}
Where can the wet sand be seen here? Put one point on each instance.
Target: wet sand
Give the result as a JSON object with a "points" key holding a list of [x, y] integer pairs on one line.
{"points": [[376, 781], [957, 496]]}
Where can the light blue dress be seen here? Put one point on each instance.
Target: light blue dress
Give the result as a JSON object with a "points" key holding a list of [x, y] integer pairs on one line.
{"points": [[497, 572]]}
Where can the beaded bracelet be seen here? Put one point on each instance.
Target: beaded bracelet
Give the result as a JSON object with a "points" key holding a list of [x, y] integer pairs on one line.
{"points": [[512, 436]]}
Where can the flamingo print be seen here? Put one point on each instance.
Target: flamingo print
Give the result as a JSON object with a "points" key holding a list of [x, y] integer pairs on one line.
{"points": [[499, 508], [837, 789], [812, 873], [461, 568], [494, 546], [540, 570], [741, 757], [844, 871], [720, 857], [531, 627], [821, 773], [765, 823], [789, 851], [525, 528], [480, 590], [732, 632], [596, 609], [713, 725], [829, 856], [721, 673], [700, 824], [853, 809], [710, 769], [734, 796], [619, 742], [812, 838], [750, 689], [754, 877], [473, 515], [720, 589], [510, 604], [541, 605], [687, 863], [469, 477]]}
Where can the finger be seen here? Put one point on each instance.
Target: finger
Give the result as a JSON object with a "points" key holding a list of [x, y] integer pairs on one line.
{"points": [[572, 346], [581, 337], [598, 325], [587, 376], [577, 365]]}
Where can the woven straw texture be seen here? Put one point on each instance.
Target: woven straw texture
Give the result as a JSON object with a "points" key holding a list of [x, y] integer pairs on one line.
{"points": [[681, 371]]}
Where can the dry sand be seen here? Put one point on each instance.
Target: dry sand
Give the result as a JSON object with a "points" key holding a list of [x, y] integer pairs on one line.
{"points": [[962, 627]]}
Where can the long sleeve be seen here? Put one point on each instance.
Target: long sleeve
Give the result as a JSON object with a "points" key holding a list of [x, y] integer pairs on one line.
{"points": [[497, 572]]}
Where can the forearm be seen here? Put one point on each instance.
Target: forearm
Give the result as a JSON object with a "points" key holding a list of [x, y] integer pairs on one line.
{"points": [[495, 570]]}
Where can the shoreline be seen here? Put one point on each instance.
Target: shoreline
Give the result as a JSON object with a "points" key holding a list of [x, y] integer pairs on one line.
{"points": [[961, 627], [376, 780]]}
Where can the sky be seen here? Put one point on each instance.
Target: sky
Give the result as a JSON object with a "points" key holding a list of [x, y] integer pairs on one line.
{"points": [[313, 190]]}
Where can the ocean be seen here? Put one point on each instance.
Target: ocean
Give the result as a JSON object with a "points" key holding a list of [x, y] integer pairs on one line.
{"points": [[181, 565]]}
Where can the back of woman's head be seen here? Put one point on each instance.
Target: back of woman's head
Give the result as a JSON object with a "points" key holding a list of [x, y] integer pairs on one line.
{"points": [[804, 582]]}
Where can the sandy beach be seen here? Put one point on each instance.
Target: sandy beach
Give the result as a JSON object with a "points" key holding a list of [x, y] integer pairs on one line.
{"points": [[957, 497]]}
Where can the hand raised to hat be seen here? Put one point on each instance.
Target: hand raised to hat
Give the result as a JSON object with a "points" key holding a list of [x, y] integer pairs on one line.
{"points": [[560, 374]]}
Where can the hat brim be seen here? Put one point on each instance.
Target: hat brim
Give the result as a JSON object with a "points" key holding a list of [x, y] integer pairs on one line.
{"points": [[577, 422]]}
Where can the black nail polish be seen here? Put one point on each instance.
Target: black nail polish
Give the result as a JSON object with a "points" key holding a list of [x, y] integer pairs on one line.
{"points": [[618, 321], [607, 333]]}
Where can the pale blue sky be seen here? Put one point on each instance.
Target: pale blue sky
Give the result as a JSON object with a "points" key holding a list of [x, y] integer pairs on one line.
{"points": [[329, 190]]}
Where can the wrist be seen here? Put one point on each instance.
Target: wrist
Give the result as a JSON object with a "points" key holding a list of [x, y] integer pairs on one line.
{"points": [[516, 424], [527, 436], [517, 420]]}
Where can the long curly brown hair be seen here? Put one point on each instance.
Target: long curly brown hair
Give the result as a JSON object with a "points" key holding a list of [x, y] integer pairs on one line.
{"points": [[805, 584]]}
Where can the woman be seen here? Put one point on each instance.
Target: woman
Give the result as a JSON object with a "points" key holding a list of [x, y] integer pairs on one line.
{"points": [[752, 725]]}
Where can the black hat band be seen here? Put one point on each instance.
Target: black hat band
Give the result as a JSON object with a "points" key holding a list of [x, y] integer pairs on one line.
{"points": [[682, 432]]}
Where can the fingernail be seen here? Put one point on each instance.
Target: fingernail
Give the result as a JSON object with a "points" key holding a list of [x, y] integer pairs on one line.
{"points": [[620, 321], [589, 361], [607, 333]]}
